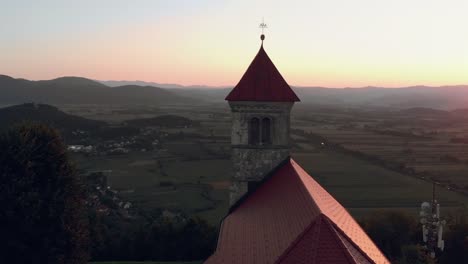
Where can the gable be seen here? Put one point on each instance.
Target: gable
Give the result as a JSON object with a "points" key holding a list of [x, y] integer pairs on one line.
{"points": [[322, 243], [262, 228]]}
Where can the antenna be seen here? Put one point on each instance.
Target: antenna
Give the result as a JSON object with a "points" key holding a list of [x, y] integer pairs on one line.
{"points": [[432, 225]]}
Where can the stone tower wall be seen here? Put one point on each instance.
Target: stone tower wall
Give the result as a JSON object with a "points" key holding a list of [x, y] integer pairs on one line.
{"points": [[252, 162]]}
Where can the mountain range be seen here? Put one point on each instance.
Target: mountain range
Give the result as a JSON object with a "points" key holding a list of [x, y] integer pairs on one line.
{"points": [[442, 97], [77, 90], [160, 85]]}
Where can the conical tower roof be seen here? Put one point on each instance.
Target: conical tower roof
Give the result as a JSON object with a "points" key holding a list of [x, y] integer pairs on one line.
{"points": [[262, 82]]}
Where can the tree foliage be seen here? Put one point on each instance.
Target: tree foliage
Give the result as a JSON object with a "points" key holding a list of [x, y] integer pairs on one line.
{"points": [[154, 238], [456, 241], [42, 216], [399, 236], [390, 230]]}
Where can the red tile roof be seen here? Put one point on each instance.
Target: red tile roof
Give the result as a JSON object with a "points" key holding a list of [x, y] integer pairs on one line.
{"points": [[290, 218], [262, 82], [322, 242]]}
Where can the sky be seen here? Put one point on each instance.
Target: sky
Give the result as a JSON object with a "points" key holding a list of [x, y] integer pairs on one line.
{"points": [[330, 43]]}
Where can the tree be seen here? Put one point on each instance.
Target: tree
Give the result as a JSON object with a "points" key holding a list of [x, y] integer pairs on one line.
{"points": [[414, 254], [391, 230], [42, 215], [456, 241]]}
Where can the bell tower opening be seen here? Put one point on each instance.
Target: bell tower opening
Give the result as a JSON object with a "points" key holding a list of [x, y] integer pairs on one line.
{"points": [[254, 131], [260, 131], [266, 131]]}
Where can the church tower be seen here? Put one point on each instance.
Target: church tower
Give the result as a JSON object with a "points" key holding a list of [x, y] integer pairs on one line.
{"points": [[260, 104], [279, 213]]}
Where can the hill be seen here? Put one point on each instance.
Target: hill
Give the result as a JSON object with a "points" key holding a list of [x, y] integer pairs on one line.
{"points": [[77, 90], [45, 114], [161, 85], [443, 97]]}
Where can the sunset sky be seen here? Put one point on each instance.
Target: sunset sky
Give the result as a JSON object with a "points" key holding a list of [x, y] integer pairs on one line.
{"points": [[332, 43]]}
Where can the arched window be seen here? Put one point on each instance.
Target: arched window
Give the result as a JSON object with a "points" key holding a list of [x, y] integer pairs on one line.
{"points": [[254, 131], [266, 131]]}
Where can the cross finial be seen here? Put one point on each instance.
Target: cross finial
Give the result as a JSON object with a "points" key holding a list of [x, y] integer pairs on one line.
{"points": [[263, 26]]}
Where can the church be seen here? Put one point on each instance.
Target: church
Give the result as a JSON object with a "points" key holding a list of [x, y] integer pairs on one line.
{"points": [[279, 213]]}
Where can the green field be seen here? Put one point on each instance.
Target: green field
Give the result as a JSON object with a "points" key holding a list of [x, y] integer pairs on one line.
{"points": [[422, 143], [193, 187], [362, 187], [187, 177], [200, 187]]}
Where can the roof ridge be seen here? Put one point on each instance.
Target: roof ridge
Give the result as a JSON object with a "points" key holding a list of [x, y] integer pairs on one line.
{"points": [[298, 239], [336, 229], [323, 219], [339, 230], [325, 212], [310, 195]]}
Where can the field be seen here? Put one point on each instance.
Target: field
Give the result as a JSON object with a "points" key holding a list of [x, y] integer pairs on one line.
{"points": [[186, 175], [191, 175], [362, 187], [422, 144]]}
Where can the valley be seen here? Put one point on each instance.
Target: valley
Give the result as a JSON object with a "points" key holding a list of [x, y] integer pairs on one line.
{"points": [[357, 155]]}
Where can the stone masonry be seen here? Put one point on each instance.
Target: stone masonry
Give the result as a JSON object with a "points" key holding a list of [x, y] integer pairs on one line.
{"points": [[251, 163]]}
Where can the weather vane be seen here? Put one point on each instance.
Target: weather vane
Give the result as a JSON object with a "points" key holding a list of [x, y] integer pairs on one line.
{"points": [[263, 26]]}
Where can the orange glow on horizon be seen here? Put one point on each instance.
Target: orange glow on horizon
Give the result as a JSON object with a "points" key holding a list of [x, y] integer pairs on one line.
{"points": [[333, 44]]}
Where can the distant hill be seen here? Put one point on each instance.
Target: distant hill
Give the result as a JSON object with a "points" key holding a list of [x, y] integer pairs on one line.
{"points": [[76, 90], [444, 97], [199, 92], [160, 85], [47, 114], [167, 121]]}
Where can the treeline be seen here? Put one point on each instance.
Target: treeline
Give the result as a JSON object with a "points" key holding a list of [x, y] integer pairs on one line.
{"points": [[399, 236], [43, 217], [150, 237]]}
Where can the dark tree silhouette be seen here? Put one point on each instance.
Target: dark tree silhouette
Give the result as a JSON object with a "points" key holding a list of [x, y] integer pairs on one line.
{"points": [[456, 241], [391, 230], [42, 215]]}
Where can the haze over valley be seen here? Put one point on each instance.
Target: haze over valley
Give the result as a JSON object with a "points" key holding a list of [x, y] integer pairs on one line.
{"points": [[79, 90]]}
